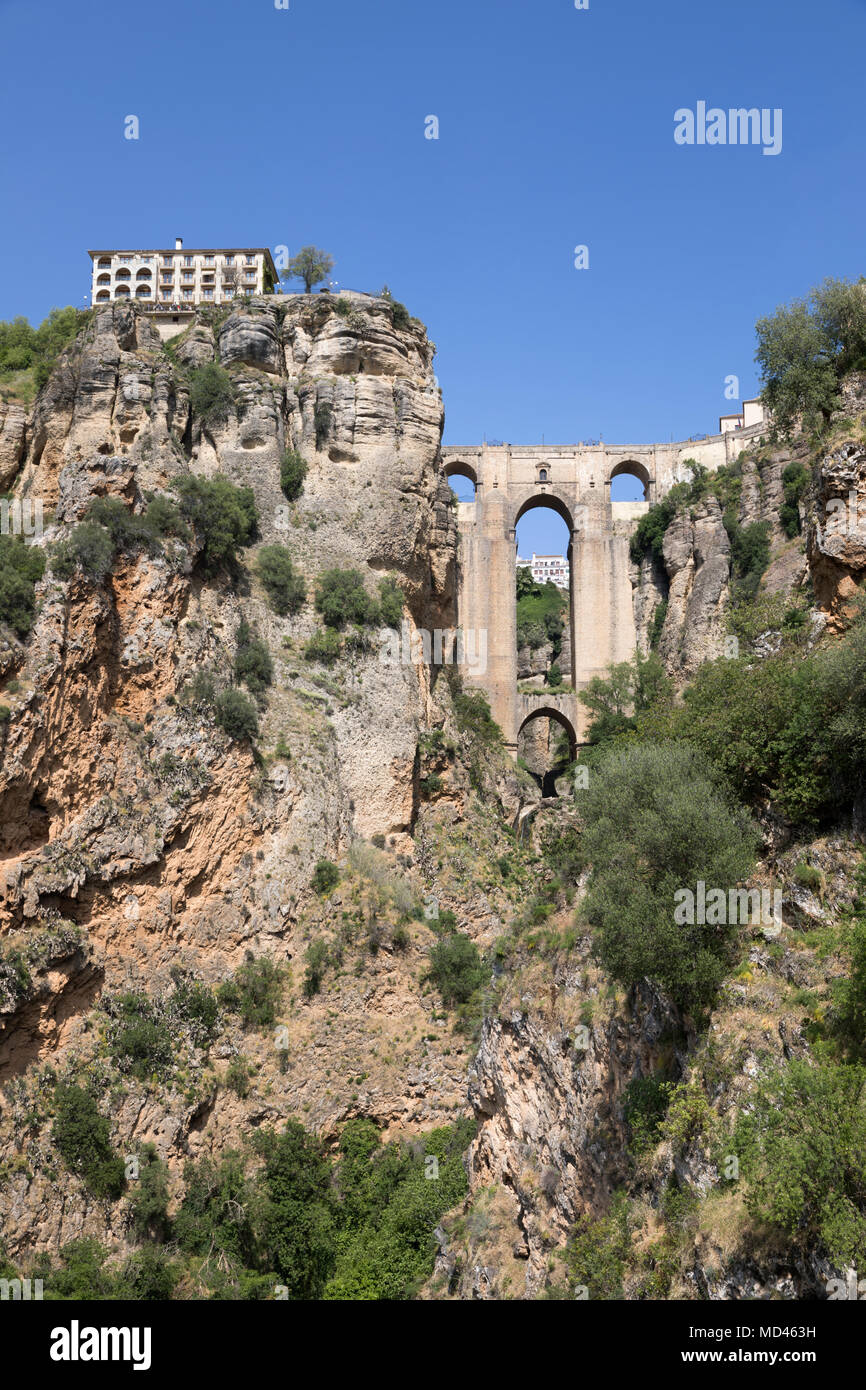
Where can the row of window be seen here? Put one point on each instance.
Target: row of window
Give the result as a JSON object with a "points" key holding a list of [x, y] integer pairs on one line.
{"points": [[167, 276], [170, 260], [143, 292]]}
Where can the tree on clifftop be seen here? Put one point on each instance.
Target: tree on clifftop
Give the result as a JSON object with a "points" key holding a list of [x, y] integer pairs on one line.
{"points": [[310, 265]]}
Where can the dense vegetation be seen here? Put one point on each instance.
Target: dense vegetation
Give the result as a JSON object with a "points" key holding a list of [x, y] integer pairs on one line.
{"points": [[21, 567], [539, 613], [656, 822], [28, 355], [804, 350], [281, 1219]]}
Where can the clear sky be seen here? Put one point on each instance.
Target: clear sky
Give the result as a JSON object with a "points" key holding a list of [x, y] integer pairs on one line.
{"points": [[268, 126]]}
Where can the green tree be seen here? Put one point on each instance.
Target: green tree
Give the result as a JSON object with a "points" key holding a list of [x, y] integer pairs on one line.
{"points": [[293, 471], [342, 598], [148, 1203], [325, 877], [616, 701], [656, 823], [455, 968], [82, 1137], [21, 566], [804, 349], [88, 550], [223, 516], [299, 1230], [212, 394], [285, 587], [254, 991], [310, 265], [802, 1148], [236, 715], [253, 665], [795, 479]]}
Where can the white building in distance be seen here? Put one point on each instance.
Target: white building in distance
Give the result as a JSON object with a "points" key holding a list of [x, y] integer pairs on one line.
{"points": [[544, 568], [752, 413], [177, 279]]}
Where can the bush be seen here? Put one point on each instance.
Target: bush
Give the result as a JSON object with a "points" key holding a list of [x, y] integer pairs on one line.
{"points": [[134, 530], [299, 1224], [216, 1213], [455, 968], [390, 602], [803, 1151], [316, 956], [324, 646], [148, 1204], [21, 566], [750, 554], [849, 999], [140, 1040], [804, 350], [285, 587], [325, 877], [656, 628], [88, 549], [23, 347], [795, 478], [644, 1104], [293, 471], [212, 394], [254, 991], [787, 727], [807, 876], [341, 598], [236, 715], [82, 1137], [223, 516], [597, 1251], [238, 1076], [253, 665], [656, 823]]}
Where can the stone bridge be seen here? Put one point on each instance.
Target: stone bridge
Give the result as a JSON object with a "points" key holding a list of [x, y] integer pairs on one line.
{"points": [[575, 482]]}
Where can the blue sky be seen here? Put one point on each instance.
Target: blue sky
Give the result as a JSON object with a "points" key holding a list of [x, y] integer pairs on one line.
{"points": [[281, 127]]}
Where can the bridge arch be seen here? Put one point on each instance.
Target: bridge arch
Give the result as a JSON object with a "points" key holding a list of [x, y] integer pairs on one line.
{"points": [[459, 468], [546, 499], [635, 469], [544, 711]]}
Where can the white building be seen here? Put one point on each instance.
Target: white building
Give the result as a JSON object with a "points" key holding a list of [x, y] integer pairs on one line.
{"points": [[752, 413], [177, 279], [544, 568]]}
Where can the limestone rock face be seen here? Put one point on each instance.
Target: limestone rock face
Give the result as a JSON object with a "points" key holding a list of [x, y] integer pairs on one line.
{"points": [[252, 339], [836, 534], [542, 1087], [97, 399], [13, 423], [697, 561]]}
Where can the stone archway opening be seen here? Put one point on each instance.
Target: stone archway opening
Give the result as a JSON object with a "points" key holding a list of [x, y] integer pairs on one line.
{"points": [[546, 747], [462, 479], [630, 481], [543, 584]]}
